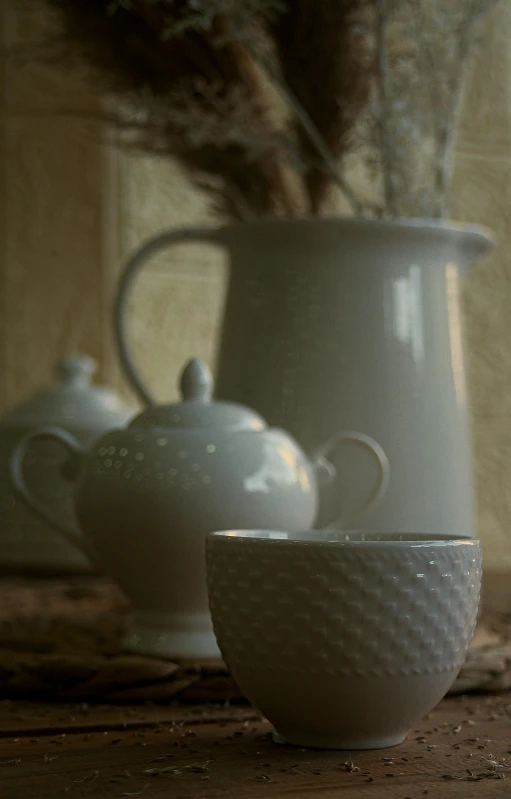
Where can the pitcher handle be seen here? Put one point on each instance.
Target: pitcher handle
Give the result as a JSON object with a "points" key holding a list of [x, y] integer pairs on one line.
{"points": [[75, 450], [368, 443], [211, 235]]}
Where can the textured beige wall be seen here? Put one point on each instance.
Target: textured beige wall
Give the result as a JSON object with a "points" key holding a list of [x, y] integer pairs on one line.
{"points": [[482, 193], [177, 303], [55, 280], [70, 209]]}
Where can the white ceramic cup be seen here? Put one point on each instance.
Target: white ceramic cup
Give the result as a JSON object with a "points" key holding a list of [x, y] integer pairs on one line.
{"points": [[343, 640]]}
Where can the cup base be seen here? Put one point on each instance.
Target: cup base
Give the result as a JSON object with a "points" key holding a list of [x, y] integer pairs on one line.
{"points": [[170, 635], [318, 741]]}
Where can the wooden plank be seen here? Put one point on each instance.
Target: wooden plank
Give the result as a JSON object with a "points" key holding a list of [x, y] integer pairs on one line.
{"points": [[461, 751], [27, 719]]}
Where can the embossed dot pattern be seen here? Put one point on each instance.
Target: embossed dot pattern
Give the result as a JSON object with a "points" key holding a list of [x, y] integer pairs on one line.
{"points": [[343, 611], [146, 469]]}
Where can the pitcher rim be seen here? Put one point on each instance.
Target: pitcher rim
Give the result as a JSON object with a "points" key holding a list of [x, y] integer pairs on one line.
{"points": [[466, 233]]}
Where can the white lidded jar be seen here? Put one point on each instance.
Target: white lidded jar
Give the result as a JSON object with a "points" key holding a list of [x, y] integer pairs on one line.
{"points": [[29, 544]]}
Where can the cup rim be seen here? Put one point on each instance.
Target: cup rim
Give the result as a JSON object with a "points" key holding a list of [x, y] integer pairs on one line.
{"points": [[342, 538]]}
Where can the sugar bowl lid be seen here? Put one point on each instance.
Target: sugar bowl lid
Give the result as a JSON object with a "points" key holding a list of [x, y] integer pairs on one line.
{"points": [[72, 401], [197, 409]]}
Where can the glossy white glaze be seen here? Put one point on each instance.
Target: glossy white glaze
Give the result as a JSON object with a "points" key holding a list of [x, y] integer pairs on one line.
{"points": [[28, 543], [147, 496], [350, 324], [344, 640]]}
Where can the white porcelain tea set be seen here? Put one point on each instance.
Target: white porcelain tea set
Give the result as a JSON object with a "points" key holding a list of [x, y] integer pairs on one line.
{"points": [[147, 495], [343, 639]]}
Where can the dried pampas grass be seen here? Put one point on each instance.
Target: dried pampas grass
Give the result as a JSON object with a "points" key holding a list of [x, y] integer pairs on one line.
{"points": [[196, 80], [180, 93], [327, 61]]}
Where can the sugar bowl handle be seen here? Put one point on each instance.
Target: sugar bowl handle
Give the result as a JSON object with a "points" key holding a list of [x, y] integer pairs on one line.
{"points": [[327, 469], [70, 470]]}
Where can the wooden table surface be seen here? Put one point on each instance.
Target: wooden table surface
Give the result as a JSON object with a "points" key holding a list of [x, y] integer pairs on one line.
{"points": [[463, 749]]}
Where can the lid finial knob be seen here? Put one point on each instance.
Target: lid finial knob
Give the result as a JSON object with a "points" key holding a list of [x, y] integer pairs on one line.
{"points": [[196, 381], [77, 369]]}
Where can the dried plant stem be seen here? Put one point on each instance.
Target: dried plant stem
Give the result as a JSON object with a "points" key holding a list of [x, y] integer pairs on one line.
{"points": [[314, 136], [379, 78], [445, 142], [448, 124], [390, 199], [248, 71]]}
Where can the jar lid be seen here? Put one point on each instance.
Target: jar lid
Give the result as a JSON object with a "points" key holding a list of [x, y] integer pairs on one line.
{"points": [[72, 401], [197, 409]]}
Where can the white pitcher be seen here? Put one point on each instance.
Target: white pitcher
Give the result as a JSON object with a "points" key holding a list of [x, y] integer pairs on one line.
{"points": [[355, 324]]}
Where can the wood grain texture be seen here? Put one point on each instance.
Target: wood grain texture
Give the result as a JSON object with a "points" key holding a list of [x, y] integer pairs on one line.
{"points": [[459, 751]]}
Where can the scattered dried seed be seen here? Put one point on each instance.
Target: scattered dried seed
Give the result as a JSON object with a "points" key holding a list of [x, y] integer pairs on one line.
{"points": [[197, 768], [162, 757], [457, 729], [88, 778]]}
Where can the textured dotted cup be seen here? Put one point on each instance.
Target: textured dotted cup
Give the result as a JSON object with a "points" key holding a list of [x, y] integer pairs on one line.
{"points": [[343, 640]]}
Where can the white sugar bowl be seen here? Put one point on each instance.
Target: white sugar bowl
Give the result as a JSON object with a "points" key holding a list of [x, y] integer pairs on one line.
{"points": [[147, 495]]}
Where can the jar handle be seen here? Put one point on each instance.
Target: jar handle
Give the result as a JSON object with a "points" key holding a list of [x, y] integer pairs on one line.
{"points": [[322, 463], [76, 454], [210, 235]]}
